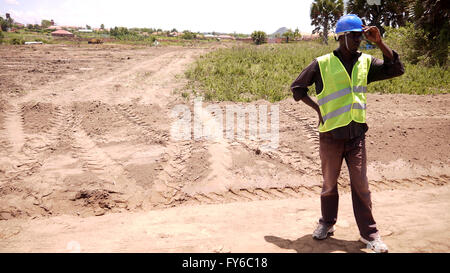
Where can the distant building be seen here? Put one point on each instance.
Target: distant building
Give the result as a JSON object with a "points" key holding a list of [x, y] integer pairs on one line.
{"points": [[245, 39], [275, 40], [62, 33], [309, 36], [71, 27], [54, 28], [226, 37], [175, 34], [85, 30]]}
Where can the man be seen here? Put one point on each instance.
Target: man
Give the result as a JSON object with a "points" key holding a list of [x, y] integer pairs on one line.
{"points": [[341, 79]]}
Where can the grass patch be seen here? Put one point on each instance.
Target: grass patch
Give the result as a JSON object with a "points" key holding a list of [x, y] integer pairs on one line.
{"points": [[248, 73], [418, 79], [81, 38], [10, 37]]}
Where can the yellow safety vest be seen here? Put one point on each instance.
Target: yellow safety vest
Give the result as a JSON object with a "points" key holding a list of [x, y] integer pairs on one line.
{"points": [[342, 99]]}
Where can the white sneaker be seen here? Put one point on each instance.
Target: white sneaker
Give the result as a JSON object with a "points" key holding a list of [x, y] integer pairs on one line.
{"points": [[376, 245], [322, 231]]}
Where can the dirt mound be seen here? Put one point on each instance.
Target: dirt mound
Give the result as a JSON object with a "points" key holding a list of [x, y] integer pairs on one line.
{"points": [[37, 117]]}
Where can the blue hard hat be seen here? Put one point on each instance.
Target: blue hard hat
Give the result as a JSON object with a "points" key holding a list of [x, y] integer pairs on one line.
{"points": [[349, 22]]}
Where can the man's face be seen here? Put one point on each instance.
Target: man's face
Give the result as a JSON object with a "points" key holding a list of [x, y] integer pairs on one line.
{"points": [[353, 41]]}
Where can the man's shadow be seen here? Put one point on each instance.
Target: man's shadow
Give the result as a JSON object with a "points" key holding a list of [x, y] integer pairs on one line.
{"points": [[307, 244]]}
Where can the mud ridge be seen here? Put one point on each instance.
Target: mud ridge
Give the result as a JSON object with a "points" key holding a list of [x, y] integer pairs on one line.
{"points": [[253, 194]]}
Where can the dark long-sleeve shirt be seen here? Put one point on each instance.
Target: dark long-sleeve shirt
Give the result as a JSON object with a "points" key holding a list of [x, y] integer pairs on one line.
{"points": [[379, 70]]}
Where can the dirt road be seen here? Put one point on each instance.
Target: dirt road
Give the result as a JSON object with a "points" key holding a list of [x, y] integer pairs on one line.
{"points": [[87, 163]]}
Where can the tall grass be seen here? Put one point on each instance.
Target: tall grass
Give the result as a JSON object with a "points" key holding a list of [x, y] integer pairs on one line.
{"points": [[248, 73], [417, 80], [10, 37]]}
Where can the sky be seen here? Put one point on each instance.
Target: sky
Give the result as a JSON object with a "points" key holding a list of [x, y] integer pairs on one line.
{"points": [[228, 16]]}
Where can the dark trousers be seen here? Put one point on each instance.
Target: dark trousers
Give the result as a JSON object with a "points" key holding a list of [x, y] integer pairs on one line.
{"points": [[332, 151]]}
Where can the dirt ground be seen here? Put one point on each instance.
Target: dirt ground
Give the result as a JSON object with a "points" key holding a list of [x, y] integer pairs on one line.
{"points": [[88, 164]]}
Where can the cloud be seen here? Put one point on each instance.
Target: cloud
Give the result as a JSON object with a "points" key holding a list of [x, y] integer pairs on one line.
{"points": [[12, 2]]}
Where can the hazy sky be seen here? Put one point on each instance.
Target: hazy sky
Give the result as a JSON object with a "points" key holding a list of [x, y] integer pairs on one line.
{"points": [[241, 16]]}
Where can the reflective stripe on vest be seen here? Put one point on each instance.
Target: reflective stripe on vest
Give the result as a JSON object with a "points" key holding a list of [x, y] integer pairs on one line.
{"points": [[344, 109], [342, 99]]}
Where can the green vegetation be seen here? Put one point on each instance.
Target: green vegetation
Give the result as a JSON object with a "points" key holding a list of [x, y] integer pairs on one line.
{"points": [[432, 18], [417, 79], [15, 33], [324, 16], [6, 23], [134, 36], [45, 23], [252, 72], [187, 35], [414, 45], [17, 41], [259, 37], [387, 13], [19, 38], [423, 25], [124, 34], [249, 73]]}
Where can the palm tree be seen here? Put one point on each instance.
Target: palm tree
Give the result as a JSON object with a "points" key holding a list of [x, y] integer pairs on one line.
{"points": [[394, 13], [433, 17], [324, 15]]}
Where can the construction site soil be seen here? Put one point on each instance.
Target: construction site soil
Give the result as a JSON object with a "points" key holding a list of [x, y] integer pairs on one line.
{"points": [[88, 163]]}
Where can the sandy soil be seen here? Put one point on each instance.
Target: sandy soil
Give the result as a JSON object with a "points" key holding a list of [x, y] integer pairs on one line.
{"points": [[87, 163]]}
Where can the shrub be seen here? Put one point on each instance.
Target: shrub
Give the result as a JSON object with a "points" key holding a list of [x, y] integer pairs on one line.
{"points": [[405, 40], [17, 41], [123, 34], [259, 37], [187, 35], [4, 25], [119, 31], [42, 40], [413, 44]]}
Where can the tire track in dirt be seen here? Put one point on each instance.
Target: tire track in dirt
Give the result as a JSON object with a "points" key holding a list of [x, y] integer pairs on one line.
{"points": [[284, 154], [94, 159], [167, 186], [310, 131], [155, 136], [47, 139], [58, 125], [221, 175], [253, 194], [18, 146], [308, 124], [302, 163], [14, 129]]}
